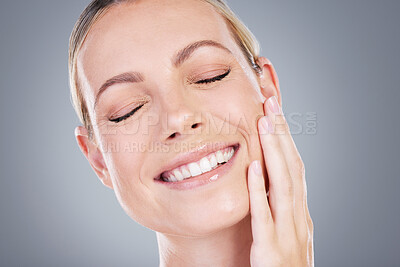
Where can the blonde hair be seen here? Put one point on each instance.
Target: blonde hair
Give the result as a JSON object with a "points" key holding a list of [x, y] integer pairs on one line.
{"points": [[242, 35]]}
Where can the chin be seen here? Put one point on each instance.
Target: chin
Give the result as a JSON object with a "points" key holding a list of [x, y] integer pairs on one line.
{"points": [[212, 215], [219, 222]]}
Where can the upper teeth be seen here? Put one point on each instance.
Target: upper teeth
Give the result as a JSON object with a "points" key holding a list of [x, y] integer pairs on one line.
{"points": [[205, 164]]}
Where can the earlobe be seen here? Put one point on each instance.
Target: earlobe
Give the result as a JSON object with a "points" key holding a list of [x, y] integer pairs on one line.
{"points": [[269, 82], [93, 154]]}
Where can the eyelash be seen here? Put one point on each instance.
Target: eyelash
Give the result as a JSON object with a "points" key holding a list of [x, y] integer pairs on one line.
{"points": [[116, 120], [205, 81], [214, 79]]}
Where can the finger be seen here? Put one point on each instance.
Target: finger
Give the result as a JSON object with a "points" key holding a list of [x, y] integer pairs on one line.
{"points": [[294, 162], [262, 223], [280, 182]]}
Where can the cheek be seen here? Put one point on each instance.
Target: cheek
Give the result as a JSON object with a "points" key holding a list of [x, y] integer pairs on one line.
{"points": [[238, 104], [128, 151], [124, 158], [241, 110], [126, 173]]}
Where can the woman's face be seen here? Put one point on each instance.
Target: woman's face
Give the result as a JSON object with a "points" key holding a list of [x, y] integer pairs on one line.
{"points": [[179, 108]]}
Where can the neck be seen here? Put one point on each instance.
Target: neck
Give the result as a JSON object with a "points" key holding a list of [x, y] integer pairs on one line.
{"points": [[228, 247]]}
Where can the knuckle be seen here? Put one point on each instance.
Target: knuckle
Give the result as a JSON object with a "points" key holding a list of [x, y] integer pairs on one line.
{"points": [[271, 143], [288, 186], [299, 166], [257, 252], [310, 225], [281, 127], [304, 234], [259, 188]]}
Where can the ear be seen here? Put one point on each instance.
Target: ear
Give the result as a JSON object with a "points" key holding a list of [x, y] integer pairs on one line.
{"points": [[269, 83], [93, 155]]}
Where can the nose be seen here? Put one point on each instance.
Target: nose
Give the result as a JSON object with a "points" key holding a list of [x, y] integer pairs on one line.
{"points": [[181, 118]]}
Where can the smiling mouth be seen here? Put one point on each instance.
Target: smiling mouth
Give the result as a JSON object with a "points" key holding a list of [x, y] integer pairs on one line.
{"points": [[204, 165]]}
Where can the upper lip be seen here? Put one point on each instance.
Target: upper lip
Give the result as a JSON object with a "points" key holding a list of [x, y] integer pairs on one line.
{"points": [[194, 155]]}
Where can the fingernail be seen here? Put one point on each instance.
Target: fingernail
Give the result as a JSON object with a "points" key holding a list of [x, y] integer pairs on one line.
{"points": [[273, 105], [257, 167], [266, 125]]}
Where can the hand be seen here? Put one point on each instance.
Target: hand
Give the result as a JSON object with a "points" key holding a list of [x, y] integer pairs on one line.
{"points": [[281, 224]]}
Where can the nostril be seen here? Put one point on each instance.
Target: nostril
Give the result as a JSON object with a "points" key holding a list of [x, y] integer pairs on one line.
{"points": [[175, 134]]}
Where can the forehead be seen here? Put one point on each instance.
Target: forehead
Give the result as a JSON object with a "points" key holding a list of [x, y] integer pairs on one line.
{"points": [[143, 35]]}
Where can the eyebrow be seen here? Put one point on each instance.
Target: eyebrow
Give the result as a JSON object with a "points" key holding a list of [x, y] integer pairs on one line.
{"points": [[177, 60], [186, 52]]}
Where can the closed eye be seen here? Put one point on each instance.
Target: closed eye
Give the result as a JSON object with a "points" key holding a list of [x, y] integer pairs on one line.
{"points": [[204, 81], [124, 117], [214, 79]]}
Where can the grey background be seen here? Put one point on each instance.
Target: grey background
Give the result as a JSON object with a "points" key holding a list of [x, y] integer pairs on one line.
{"points": [[338, 59]]}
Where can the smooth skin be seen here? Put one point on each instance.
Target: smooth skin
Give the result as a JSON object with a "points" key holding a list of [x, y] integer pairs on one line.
{"points": [[211, 226], [282, 228]]}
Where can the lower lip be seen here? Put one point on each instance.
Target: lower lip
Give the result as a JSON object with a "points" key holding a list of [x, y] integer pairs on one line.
{"points": [[202, 179]]}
